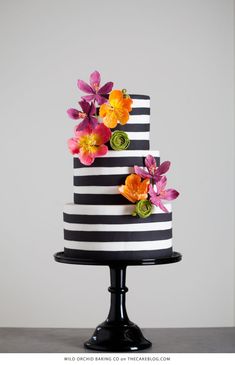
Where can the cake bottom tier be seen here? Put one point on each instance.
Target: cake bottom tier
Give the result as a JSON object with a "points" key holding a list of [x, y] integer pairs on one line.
{"points": [[111, 232], [118, 255]]}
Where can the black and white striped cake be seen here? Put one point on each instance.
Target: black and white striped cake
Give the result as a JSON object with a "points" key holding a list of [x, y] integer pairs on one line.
{"points": [[99, 223]]}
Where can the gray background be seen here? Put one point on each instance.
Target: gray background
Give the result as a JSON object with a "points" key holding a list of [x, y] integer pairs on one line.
{"points": [[181, 53]]}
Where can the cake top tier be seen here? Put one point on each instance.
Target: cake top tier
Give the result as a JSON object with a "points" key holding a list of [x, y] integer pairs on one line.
{"points": [[110, 120]]}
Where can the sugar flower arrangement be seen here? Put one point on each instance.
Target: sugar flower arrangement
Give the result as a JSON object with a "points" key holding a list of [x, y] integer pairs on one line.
{"points": [[93, 133], [147, 187], [100, 111]]}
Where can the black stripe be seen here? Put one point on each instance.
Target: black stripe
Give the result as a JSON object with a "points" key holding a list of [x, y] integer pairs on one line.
{"points": [[115, 219], [133, 127], [99, 199], [118, 255], [136, 145], [136, 96], [97, 236], [99, 180], [114, 162], [140, 111]]}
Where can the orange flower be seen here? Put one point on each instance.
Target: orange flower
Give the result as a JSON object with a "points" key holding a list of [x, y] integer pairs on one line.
{"points": [[135, 189], [116, 110]]}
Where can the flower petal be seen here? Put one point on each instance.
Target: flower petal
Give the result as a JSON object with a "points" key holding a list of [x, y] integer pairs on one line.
{"points": [[81, 126], [153, 196], [110, 120], [162, 206], [144, 187], [103, 132], [106, 88], [157, 177], [80, 133], [134, 189], [141, 172], [101, 150], [150, 163], [161, 184], [73, 113], [104, 109], [100, 99], [89, 97], [95, 78], [73, 145], [93, 122], [116, 98], [85, 106], [127, 102], [133, 181], [92, 110], [170, 194], [125, 191], [86, 157], [163, 168], [151, 190], [83, 86], [156, 200], [122, 115], [142, 196]]}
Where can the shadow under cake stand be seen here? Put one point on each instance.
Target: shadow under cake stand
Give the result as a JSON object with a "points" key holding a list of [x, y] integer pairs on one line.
{"points": [[117, 333]]}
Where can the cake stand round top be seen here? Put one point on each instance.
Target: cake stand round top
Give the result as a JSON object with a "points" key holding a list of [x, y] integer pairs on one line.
{"points": [[174, 257]]}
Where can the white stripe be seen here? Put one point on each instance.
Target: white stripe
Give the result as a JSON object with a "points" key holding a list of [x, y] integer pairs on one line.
{"points": [[96, 190], [88, 171], [153, 226], [119, 246], [75, 209], [138, 135], [140, 103], [139, 119], [131, 153]]}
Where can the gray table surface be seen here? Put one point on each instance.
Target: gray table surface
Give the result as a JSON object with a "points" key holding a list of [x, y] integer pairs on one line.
{"points": [[164, 340]]}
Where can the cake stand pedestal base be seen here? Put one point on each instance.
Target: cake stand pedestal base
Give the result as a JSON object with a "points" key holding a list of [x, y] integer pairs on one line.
{"points": [[117, 333], [117, 338]]}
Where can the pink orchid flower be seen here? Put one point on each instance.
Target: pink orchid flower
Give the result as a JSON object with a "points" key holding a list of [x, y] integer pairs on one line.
{"points": [[87, 114], [156, 197], [94, 90], [153, 172], [89, 143]]}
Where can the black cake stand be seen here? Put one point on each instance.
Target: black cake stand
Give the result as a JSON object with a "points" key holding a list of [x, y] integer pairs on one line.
{"points": [[117, 333]]}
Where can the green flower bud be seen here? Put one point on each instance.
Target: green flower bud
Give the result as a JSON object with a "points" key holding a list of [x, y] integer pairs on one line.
{"points": [[119, 141], [143, 209], [125, 95]]}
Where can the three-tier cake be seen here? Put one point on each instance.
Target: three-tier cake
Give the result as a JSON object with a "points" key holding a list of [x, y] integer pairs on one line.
{"points": [[103, 221]]}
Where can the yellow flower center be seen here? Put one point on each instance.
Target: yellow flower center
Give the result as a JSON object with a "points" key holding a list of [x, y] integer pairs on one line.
{"points": [[89, 142]]}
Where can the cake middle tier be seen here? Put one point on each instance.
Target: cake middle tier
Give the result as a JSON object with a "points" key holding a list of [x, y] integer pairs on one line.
{"points": [[98, 183]]}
